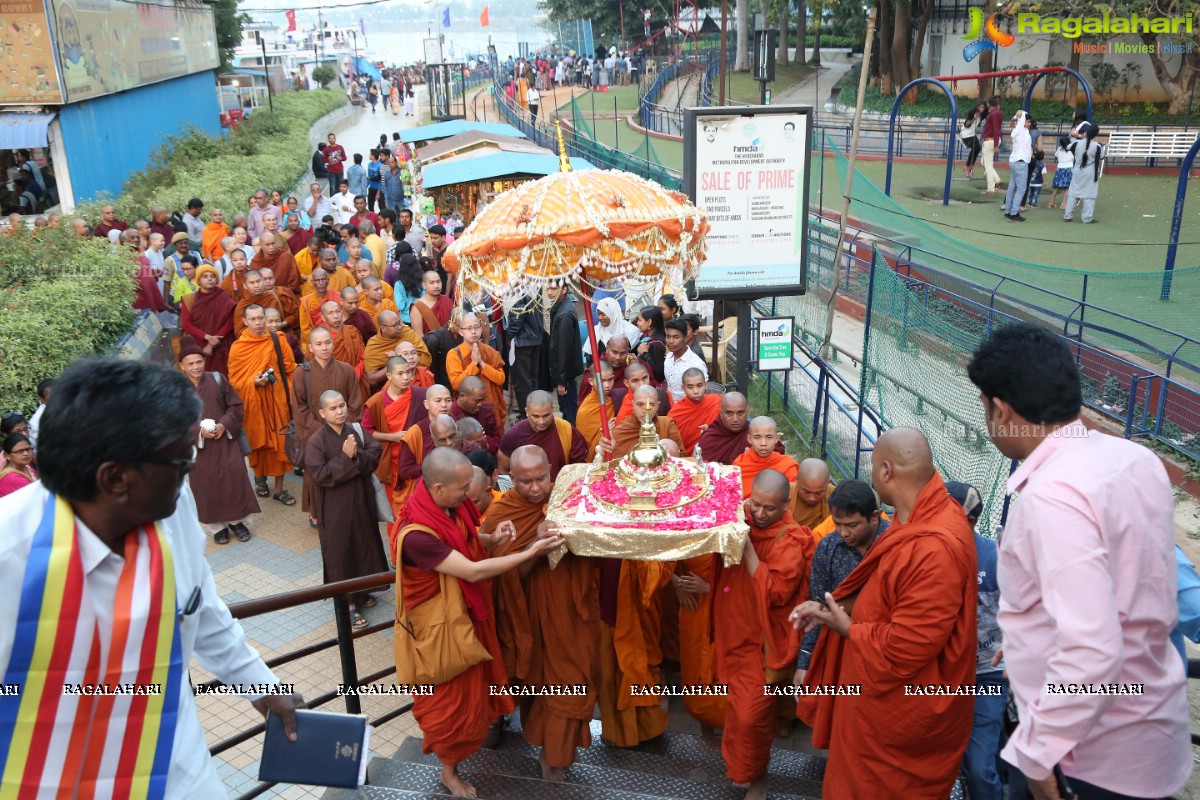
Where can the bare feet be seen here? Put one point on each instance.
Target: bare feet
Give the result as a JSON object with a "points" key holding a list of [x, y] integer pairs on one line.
{"points": [[457, 786], [549, 773], [756, 790]]}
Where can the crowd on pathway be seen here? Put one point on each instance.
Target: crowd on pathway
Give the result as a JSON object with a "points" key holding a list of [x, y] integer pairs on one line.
{"points": [[1078, 161]]}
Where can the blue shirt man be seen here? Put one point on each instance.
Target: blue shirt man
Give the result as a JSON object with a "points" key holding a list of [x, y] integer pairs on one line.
{"points": [[356, 174]]}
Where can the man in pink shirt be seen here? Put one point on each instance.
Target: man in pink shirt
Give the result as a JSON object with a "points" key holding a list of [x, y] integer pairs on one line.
{"points": [[1087, 585]]}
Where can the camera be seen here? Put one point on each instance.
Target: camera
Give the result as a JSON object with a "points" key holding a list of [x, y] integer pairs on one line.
{"points": [[270, 373]]}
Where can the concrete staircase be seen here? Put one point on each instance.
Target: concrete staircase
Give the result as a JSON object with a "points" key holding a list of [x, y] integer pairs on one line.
{"points": [[676, 765]]}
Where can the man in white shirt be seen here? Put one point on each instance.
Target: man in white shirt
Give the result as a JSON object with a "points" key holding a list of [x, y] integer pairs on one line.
{"points": [[154, 253], [1018, 167], [116, 445], [679, 358], [44, 388], [343, 204], [318, 205]]}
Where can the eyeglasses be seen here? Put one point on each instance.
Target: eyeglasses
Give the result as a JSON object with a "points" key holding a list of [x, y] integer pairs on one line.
{"points": [[183, 464], [21, 451]]}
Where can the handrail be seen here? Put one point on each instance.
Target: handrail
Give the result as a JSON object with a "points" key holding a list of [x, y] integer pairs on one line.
{"points": [[298, 597]]}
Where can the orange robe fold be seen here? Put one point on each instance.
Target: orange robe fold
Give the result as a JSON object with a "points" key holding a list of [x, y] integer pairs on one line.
{"points": [[630, 655], [459, 365], [266, 300], [751, 464], [386, 304], [625, 435], [289, 308], [310, 313], [754, 642], [812, 516], [454, 719], [696, 648], [912, 606], [693, 418], [233, 284], [348, 348], [512, 602], [210, 241], [267, 408], [587, 420], [379, 349]]}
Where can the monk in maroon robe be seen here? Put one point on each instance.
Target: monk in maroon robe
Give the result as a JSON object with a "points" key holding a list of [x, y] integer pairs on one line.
{"points": [[561, 441], [207, 316], [728, 436]]}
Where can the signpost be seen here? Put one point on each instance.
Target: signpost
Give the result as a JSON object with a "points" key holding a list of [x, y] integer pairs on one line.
{"points": [[749, 169], [775, 343], [763, 67]]}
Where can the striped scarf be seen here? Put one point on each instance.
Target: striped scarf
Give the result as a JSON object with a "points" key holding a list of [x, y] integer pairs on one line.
{"points": [[56, 744]]}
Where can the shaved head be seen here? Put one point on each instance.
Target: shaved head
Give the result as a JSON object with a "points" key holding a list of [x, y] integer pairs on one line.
{"points": [[437, 400], [641, 396], [447, 474], [529, 469], [539, 410], [328, 307], [773, 484], [763, 434], [812, 482], [733, 411], [387, 319], [480, 489], [769, 496], [444, 430], [473, 383], [900, 467], [472, 394], [539, 398]]}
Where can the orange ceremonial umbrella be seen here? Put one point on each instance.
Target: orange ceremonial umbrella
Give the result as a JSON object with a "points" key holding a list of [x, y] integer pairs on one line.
{"points": [[583, 230]]}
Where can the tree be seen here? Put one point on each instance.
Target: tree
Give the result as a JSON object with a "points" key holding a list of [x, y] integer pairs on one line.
{"points": [[781, 55], [741, 62], [324, 75], [801, 30], [228, 24]]}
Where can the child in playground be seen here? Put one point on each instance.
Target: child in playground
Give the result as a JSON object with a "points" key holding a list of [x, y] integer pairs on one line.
{"points": [[1037, 172], [1062, 171]]}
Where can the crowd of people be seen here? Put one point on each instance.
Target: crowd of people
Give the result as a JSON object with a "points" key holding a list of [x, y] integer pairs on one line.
{"points": [[872, 611], [1078, 161]]}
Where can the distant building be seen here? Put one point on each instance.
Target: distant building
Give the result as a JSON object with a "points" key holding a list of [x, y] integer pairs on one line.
{"points": [[94, 89]]}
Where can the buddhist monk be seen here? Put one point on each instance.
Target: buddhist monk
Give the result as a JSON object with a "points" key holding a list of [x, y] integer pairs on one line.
{"points": [[472, 402], [340, 461], [275, 326], [560, 440], [207, 316], [319, 374], [695, 411], [233, 284], [810, 505], [473, 357], [389, 413], [480, 490], [637, 374], [214, 232], [355, 316], [625, 435], [415, 444], [265, 399], [382, 346], [754, 641], [273, 253], [310, 303], [764, 435], [347, 344], [289, 304], [339, 276], [254, 293], [409, 352], [729, 435], [906, 616], [375, 299], [432, 309], [550, 618], [308, 259], [437, 538], [616, 354], [587, 419]]}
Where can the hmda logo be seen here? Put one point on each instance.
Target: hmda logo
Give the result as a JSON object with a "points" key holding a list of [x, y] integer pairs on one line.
{"points": [[780, 332]]}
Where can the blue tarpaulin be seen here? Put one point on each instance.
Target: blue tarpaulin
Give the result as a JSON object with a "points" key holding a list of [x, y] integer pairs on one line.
{"points": [[482, 168], [18, 130]]}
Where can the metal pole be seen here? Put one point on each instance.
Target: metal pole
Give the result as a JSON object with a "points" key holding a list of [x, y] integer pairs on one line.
{"points": [[743, 340], [616, 127], [721, 71], [837, 253], [345, 638], [267, 75]]}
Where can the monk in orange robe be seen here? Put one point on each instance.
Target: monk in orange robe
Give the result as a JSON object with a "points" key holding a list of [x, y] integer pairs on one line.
{"points": [[382, 346], [214, 232], [266, 403], [754, 640], [424, 376], [389, 414], [347, 342], [810, 502], [764, 435], [625, 435], [307, 260], [234, 284], [310, 303], [255, 294], [440, 552], [589, 415], [415, 443], [695, 411], [905, 616], [289, 304], [637, 374], [374, 299], [548, 620], [729, 434], [473, 357]]}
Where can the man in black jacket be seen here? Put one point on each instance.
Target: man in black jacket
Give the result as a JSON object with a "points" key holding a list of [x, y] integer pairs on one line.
{"points": [[565, 352], [524, 328]]}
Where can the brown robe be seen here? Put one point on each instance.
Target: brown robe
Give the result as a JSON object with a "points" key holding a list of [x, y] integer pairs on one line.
{"points": [[348, 348], [289, 308], [266, 300], [219, 481], [351, 546], [722, 445], [485, 415], [309, 381], [626, 433], [549, 440], [209, 313], [549, 629]]}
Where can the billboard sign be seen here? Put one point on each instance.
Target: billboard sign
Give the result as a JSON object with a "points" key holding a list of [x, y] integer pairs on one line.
{"points": [[109, 46], [30, 72], [775, 343], [749, 168]]}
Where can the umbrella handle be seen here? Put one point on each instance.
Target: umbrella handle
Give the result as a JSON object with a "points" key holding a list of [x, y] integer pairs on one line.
{"points": [[585, 291]]}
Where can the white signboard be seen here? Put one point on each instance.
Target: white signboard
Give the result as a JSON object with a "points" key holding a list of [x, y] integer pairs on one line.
{"points": [[749, 170], [775, 343], [433, 51]]}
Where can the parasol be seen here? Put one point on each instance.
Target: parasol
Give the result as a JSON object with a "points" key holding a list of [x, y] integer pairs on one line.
{"points": [[582, 230]]}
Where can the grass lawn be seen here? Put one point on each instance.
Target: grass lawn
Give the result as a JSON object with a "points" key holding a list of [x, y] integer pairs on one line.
{"points": [[744, 89]]}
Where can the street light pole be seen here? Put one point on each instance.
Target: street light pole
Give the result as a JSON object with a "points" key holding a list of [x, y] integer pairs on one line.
{"points": [[267, 74]]}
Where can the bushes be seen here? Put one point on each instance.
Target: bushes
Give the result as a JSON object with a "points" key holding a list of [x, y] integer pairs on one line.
{"points": [[268, 150], [61, 297]]}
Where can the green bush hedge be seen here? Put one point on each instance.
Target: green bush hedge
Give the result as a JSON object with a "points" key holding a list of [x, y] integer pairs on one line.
{"points": [[267, 150], [61, 297]]}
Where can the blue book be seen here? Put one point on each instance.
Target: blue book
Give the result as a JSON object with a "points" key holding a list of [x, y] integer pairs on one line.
{"points": [[330, 750]]}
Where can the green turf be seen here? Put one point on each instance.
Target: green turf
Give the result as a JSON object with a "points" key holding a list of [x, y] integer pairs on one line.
{"points": [[744, 89]]}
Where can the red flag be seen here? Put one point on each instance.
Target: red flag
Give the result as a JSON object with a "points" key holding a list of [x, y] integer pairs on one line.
{"points": [[483, 18], [291, 18]]}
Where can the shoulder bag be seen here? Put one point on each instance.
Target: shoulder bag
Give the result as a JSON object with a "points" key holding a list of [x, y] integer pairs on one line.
{"points": [[292, 446], [434, 642]]}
